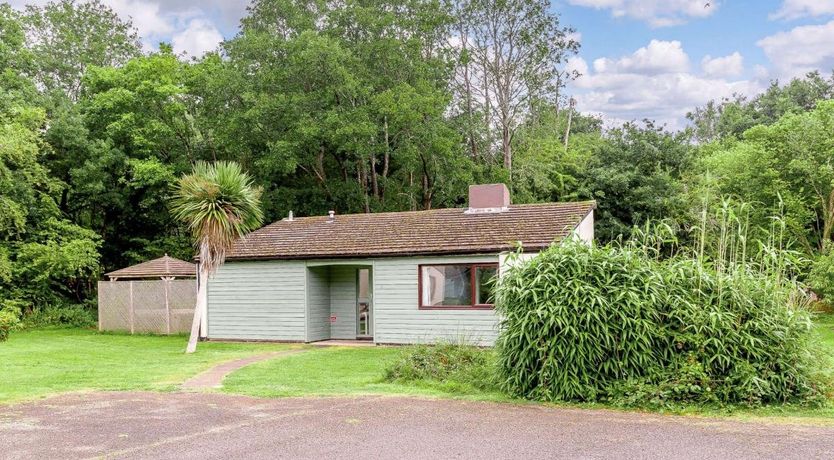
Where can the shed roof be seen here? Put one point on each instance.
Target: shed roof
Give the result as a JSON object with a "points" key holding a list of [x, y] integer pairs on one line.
{"points": [[438, 231], [157, 268]]}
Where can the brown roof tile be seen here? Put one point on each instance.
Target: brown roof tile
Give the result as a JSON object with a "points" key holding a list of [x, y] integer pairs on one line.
{"points": [[163, 266], [439, 231]]}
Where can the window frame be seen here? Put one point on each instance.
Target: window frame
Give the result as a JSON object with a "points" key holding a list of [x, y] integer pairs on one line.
{"points": [[473, 266]]}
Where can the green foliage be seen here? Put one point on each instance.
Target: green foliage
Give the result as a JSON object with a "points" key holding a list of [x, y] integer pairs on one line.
{"points": [[614, 323], [66, 37], [463, 365], [8, 320], [44, 258], [219, 204], [821, 277], [76, 316], [359, 107], [784, 168], [635, 177], [730, 118], [120, 150], [544, 168], [350, 102]]}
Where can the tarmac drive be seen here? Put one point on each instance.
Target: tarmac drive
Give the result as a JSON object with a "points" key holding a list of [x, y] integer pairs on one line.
{"points": [[210, 425]]}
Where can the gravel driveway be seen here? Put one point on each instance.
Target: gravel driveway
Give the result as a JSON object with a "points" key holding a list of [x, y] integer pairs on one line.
{"points": [[206, 426]]}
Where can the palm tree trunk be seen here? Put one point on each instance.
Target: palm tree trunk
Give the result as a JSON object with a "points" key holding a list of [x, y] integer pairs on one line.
{"points": [[202, 300]]}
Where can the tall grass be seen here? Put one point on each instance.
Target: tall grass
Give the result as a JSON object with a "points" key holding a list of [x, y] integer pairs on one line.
{"points": [[650, 321], [457, 365]]}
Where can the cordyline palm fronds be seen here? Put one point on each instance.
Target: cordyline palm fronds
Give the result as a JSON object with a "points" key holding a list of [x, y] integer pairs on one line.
{"points": [[219, 204]]}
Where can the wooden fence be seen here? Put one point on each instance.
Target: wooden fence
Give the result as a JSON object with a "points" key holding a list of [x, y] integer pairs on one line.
{"points": [[147, 307]]}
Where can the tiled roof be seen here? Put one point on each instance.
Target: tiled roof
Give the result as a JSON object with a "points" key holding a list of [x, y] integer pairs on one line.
{"points": [[439, 231], [163, 266]]}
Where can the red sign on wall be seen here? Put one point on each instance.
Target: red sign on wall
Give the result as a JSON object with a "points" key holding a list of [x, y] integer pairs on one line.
{"points": [[332, 318]]}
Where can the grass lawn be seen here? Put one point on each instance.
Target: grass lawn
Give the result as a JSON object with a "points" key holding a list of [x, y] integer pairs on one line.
{"points": [[353, 371], [39, 363], [339, 371], [43, 362]]}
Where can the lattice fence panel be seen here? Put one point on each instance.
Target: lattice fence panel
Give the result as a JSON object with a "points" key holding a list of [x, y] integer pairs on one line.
{"points": [[113, 306], [182, 297], [149, 312], [153, 306]]}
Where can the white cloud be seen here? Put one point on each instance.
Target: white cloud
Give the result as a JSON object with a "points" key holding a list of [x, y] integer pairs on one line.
{"points": [[146, 16], [795, 9], [187, 28], [801, 49], [726, 66], [658, 13], [658, 57], [199, 37], [761, 72], [655, 82]]}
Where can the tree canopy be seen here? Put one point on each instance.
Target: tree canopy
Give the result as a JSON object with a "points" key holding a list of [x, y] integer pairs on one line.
{"points": [[357, 106]]}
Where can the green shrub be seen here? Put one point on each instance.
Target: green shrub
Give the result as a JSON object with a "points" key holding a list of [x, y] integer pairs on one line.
{"points": [[458, 364], [8, 320], [614, 324], [75, 315], [821, 277]]}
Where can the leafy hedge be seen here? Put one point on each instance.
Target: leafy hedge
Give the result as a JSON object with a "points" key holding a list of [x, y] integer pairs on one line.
{"points": [[70, 315], [612, 324]]}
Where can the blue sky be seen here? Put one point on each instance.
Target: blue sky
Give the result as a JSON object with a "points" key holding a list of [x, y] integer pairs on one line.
{"points": [[658, 59], [639, 58]]}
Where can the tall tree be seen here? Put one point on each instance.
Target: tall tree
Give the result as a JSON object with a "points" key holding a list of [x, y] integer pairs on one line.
{"points": [[45, 260], [343, 95], [785, 169], [219, 204], [635, 176], [66, 37], [513, 54], [121, 147], [15, 60]]}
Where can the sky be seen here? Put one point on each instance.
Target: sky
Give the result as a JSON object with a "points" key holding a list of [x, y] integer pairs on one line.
{"points": [[639, 59]]}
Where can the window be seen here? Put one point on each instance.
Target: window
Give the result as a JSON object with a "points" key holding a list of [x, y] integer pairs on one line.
{"points": [[457, 285]]}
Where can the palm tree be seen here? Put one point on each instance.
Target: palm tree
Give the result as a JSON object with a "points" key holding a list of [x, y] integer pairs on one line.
{"points": [[219, 204]]}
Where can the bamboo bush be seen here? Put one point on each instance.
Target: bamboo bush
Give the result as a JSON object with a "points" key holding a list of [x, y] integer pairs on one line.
{"points": [[647, 322]]}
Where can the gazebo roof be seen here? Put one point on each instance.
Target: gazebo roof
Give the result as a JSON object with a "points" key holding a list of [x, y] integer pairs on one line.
{"points": [[157, 268]]}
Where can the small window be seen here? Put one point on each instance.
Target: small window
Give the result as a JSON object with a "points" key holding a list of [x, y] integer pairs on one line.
{"points": [[457, 285]]}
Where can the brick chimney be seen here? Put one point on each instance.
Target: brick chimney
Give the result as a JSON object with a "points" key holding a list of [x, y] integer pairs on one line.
{"points": [[488, 198]]}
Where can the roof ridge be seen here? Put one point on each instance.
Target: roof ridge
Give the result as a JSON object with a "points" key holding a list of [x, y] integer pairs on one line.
{"points": [[416, 211]]}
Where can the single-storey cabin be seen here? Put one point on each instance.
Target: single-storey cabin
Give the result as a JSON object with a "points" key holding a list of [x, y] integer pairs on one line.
{"points": [[393, 277]]}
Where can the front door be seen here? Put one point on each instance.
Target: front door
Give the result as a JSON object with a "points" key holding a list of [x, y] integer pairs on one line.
{"points": [[364, 305]]}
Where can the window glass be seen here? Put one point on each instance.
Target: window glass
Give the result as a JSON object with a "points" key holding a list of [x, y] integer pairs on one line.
{"points": [[447, 285], [485, 278], [457, 285]]}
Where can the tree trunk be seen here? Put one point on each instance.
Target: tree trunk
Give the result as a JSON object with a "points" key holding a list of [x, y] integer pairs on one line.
{"points": [[387, 157], [374, 181], [426, 192], [505, 147], [570, 118], [363, 183], [470, 115], [202, 301], [827, 221]]}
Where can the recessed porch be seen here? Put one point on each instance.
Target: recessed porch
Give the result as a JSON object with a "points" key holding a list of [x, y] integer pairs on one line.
{"points": [[339, 303]]}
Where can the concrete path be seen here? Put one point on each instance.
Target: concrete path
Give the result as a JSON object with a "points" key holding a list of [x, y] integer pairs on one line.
{"points": [[213, 378], [219, 426]]}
